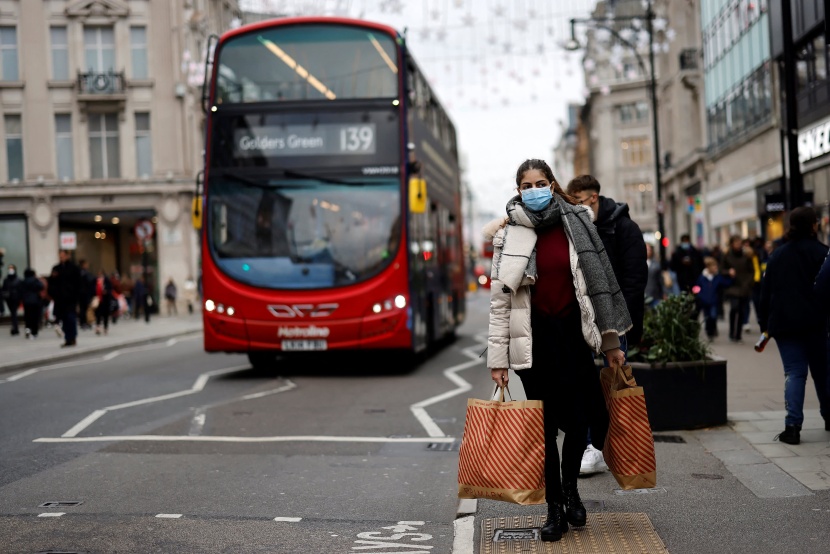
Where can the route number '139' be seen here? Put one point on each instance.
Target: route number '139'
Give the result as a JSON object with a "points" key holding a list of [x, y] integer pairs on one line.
{"points": [[357, 138]]}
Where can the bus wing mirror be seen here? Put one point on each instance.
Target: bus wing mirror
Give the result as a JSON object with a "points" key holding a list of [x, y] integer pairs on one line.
{"points": [[417, 195], [196, 206]]}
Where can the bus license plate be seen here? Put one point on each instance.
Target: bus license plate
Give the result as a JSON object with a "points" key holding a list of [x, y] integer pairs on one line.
{"points": [[304, 345]]}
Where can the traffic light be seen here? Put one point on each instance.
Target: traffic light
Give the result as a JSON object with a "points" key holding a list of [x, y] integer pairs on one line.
{"points": [[665, 242]]}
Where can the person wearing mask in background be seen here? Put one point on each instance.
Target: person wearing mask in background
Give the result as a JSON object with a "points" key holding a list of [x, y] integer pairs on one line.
{"points": [[87, 293], [30, 294], [626, 250], [687, 264], [65, 290], [11, 296], [655, 292], [741, 270], [544, 326], [792, 315]]}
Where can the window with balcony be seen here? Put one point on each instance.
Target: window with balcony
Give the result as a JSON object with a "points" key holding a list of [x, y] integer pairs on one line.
{"points": [[104, 148], [99, 49], [63, 147], [138, 53], [143, 145], [9, 70], [60, 53], [14, 147], [635, 151]]}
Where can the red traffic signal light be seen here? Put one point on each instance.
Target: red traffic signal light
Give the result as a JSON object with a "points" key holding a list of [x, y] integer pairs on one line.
{"points": [[665, 242]]}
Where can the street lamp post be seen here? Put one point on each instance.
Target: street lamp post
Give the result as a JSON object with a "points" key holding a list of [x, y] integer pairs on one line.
{"points": [[573, 44]]}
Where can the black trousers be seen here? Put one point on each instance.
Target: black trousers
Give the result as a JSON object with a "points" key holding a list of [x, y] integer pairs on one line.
{"points": [[563, 376]]}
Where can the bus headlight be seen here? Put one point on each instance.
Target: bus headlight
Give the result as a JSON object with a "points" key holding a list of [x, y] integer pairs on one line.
{"points": [[210, 305], [400, 301]]}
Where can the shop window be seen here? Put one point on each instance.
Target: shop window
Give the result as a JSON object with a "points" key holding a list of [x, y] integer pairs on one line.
{"points": [[63, 147], [138, 52], [8, 54], [143, 145], [104, 146], [14, 147], [60, 53], [14, 241]]}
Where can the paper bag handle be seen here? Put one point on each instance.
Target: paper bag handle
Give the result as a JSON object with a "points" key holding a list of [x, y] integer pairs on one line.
{"points": [[501, 397]]}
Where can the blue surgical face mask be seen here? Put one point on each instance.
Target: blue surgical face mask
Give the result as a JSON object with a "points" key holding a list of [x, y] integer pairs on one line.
{"points": [[537, 199]]}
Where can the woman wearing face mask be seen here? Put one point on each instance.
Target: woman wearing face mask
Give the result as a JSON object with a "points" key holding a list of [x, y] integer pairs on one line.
{"points": [[554, 299]]}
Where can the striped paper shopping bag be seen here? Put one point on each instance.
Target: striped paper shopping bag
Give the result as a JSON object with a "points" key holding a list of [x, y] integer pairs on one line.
{"points": [[502, 454], [629, 445]]}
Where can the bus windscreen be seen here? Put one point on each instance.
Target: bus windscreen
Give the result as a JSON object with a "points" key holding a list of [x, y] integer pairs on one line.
{"points": [[307, 62], [303, 233]]}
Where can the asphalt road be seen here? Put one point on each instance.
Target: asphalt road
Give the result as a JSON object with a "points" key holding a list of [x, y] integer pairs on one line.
{"points": [[169, 449]]}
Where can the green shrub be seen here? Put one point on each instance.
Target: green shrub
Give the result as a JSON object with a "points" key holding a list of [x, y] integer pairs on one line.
{"points": [[671, 333]]}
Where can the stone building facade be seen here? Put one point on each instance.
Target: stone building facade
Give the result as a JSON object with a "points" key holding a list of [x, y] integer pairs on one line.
{"points": [[102, 132]]}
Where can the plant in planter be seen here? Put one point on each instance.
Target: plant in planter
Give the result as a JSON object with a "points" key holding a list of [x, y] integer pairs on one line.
{"points": [[684, 385]]}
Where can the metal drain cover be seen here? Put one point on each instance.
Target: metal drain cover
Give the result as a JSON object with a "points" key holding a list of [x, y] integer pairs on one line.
{"points": [[605, 533], [61, 504], [444, 446]]}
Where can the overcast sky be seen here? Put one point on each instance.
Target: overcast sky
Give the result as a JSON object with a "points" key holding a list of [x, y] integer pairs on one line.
{"points": [[497, 66]]}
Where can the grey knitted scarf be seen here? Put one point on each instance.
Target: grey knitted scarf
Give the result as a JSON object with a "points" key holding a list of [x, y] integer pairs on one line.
{"points": [[609, 304]]}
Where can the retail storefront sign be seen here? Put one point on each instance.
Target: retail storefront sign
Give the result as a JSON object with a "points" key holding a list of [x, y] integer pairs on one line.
{"points": [[814, 142], [69, 240]]}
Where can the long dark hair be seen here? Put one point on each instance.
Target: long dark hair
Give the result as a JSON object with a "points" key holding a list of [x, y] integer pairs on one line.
{"points": [[542, 166]]}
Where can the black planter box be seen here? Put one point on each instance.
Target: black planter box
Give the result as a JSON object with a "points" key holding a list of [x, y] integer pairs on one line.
{"points": [[684, 395]]}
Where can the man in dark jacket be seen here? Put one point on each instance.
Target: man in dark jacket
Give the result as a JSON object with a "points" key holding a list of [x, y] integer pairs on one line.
{"points": [[791, 314], [65, 290], [32, 303], [86, 293], [11, 295], [687, 264], [626, 250]]}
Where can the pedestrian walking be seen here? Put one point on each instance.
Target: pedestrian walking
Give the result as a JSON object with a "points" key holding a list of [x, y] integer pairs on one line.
{"points": [[547, 243], [626, 250], [792, 315], [170, 294], [706, 290], [141, 300], [739, 267], [190, 293], [821, 288], [65, 290], [31, 290], [103, 301], [11, 296], [86, 295]]}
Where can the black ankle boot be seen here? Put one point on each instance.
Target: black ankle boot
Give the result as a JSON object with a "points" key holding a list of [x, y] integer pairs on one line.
{"points": [[555, 525], [574, 510], [790, 435]]}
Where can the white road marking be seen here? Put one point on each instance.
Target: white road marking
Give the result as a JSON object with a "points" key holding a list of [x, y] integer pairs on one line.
{"points": [[201, 438], [200, 383], [286, 387], [88, 361], [169, 516], [197, 423], [288, 519], [418, 410], [52, 514]]}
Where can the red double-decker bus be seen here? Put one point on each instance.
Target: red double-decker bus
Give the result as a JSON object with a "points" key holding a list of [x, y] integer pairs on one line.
{"points": [[332, 216]]}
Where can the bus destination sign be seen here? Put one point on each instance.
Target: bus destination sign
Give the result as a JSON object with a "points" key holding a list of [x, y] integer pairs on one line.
{"points": [[306, 140]]}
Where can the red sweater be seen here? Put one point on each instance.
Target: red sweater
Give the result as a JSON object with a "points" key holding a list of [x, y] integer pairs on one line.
{"points": [[554, 293]]}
